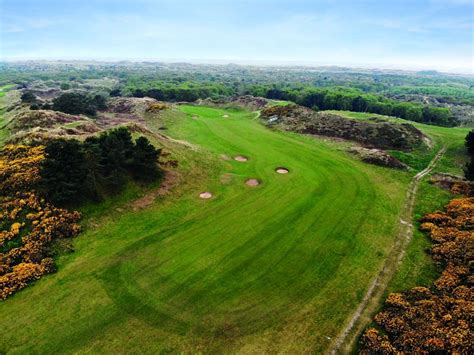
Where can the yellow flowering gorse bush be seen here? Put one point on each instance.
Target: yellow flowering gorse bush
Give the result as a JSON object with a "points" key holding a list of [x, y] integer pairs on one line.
{"points": [[29, 224]]}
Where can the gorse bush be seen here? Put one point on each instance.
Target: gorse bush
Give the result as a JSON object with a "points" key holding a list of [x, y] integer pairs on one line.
{"points": [[28, 224], [64, 172], [73, 172], [437, 320]]}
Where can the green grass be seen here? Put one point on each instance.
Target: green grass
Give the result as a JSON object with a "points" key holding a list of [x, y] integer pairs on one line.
{"points": [[280, 102], [5, 88], [274, 268], [4, 133], [418, 268]]}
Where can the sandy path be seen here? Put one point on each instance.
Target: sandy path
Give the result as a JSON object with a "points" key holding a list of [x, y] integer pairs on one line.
{"points": [[345, 340]]}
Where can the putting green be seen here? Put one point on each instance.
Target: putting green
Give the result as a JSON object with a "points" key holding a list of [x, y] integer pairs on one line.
{"points": [[275, 267]]}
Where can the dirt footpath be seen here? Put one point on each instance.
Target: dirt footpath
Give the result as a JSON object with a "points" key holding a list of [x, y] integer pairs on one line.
{"points": [[368, 306]]}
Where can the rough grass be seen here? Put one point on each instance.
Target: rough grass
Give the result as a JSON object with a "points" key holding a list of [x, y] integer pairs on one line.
{"points": [[273, 268], [4, 133], [418, 268], [5, 88], [452, 137]]}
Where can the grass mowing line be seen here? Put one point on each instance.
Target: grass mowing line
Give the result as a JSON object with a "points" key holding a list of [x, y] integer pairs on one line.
{"points": [[276, 268], [362, 316]]}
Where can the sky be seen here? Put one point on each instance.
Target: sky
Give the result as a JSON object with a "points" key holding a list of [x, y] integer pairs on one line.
{"points": [[405, 34]]}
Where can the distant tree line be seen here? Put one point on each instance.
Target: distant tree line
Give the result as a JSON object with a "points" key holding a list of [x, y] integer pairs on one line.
{"points": [[318, 98], [186, 91], [328, 98], [74, 172], [354, 100], [469, 170]]}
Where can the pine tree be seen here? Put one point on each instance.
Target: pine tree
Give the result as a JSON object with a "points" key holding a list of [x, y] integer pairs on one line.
{"points": [[470, 142], [63, 171], [144, 164]]}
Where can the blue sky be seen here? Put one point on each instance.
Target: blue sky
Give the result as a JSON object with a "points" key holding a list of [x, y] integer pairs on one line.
{"points": [[434, 34]]}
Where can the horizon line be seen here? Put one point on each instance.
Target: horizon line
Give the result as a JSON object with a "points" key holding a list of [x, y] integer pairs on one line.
{"points": [[260, 62]]}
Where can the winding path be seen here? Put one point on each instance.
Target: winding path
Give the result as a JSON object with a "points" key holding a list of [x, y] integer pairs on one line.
{"points": [[359, 320]]}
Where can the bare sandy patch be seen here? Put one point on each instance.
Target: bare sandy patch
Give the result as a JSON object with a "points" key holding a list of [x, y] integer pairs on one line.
{"points": [[170, 179], [225, 116], [240, 158], [282, 170], [252, 182], [205, 195], [225, 157]]}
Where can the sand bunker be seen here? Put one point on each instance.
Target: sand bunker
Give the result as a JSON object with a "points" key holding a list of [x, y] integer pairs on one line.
{"points": [[240, 158], [252, 182], [205, 195], [225, 116], [282, 170]]}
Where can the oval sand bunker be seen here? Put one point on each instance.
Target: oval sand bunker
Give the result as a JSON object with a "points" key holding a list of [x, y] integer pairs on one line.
{"points": [[282, 170], [225, 116], [252, 182], [205, 195], [240, 158]]}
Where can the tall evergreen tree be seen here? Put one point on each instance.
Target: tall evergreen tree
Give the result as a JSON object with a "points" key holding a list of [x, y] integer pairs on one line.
{"points": [[63, 171], [469, 141], [144, 164], [469, 170], [94, 180], [72, 171]]}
